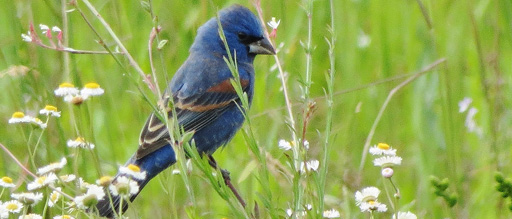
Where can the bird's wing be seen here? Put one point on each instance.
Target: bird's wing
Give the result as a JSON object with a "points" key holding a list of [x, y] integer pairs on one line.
{"points": [[193, 112]]}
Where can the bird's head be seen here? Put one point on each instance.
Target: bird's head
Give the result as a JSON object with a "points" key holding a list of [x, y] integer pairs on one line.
{"points": [[243, 31]]}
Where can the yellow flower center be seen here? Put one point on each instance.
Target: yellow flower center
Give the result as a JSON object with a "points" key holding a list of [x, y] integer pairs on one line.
{"points": [[134, 168], [12, 206], [92, 85], [80, 139], [41, 180], [38, 120], [18, 115], [6, 179], [50, 108], [66, 84], [383, 146], [66, 216], [54, 196], [371, 202], [105, 180]]}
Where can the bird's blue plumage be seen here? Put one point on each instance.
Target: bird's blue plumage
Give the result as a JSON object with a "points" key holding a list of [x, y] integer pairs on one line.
{"points": [[204, 99]]}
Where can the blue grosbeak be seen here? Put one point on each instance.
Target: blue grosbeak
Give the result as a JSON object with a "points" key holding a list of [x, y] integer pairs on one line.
{"points": [[204, 99]]}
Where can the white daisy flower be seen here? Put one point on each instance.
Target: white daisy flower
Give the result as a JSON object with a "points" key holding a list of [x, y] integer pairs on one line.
{"points": [[80, 142], [66, 89], [273, 23], [6, 182], [4, 213], [404, 215], [382, 149], [124, 187], [133, 171], [50, 110], [42, 181], [39, 123], [13, 206], [387, 161], [54, 197], [91, 89], [367, 194], [28, 198], [91, 197], [67, 178], [19, 117], [331, 214], [65, 216], [285, 145], [373, 206], [31, 216], [26, 37], [53, 167]]}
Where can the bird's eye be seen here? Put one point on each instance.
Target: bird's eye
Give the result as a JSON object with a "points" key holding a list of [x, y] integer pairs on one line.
{"points": [[243, 36]]}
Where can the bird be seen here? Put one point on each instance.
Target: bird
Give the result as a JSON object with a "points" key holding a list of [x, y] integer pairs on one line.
{"points": [[204, 100]]}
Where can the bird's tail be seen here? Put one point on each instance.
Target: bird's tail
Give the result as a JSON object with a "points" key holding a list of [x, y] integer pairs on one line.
{"points": [[109, 206]]}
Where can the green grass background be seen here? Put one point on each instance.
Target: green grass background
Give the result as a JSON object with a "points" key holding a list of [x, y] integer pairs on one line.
{"points": [[422, 120]]}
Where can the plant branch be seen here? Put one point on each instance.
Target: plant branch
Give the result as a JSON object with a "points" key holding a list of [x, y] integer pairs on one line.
{"points": [[385, 104]]}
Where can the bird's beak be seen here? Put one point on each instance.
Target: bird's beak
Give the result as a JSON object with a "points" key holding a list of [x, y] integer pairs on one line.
{"points": [[262, 46]]}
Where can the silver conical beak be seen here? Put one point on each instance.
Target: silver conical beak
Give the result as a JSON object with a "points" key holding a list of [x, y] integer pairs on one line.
{"points": [[263, 47]]}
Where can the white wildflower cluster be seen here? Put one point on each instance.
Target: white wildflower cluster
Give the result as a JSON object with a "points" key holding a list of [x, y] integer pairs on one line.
{"points": [[46, 178], [75, 96], [303, 167], [386, 158], [367, 198], [20, 117], [32, 37], [48, 110]]}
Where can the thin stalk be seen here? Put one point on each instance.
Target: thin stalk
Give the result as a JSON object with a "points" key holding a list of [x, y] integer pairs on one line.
{"points": [[385, 104], [132, 61], [65, 33], [330, 101], [291, 119]]}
